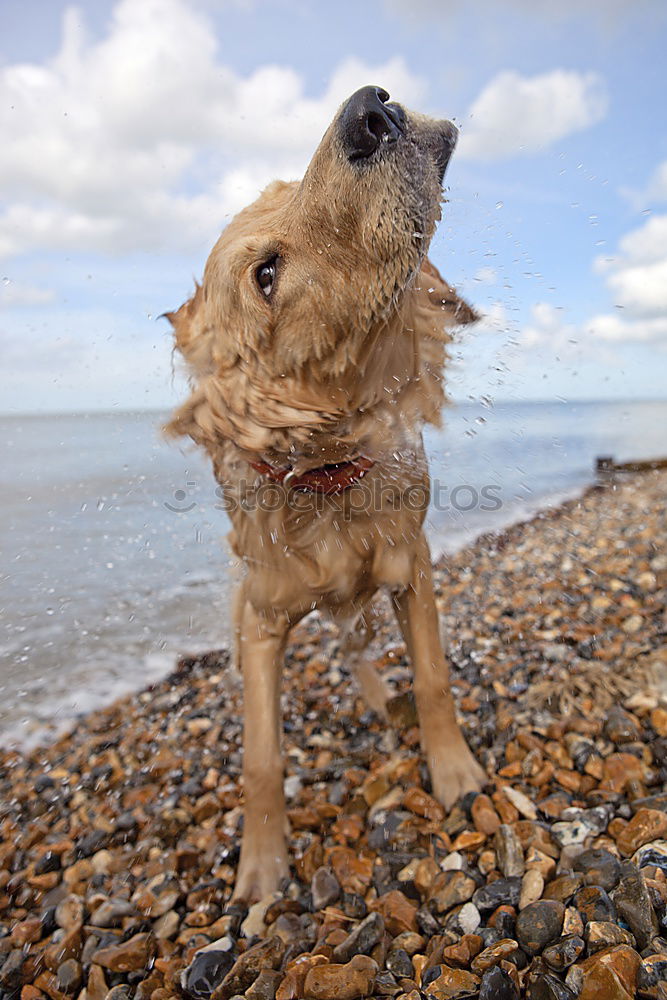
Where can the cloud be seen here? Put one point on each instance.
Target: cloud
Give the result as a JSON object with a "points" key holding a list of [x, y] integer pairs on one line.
{"points": [[517, 114], [146, 139], [547, 329], [637, 281], [13, 294]]}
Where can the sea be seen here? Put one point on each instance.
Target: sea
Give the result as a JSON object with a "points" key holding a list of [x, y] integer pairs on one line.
{"points": [[114, 560]]}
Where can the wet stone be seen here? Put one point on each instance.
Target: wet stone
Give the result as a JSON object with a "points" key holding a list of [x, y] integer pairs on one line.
{"points": [[399, 962], [450, 889], [342, 982], [266, 954], [564, 887], [206, 971], [497, 985], [539, 925], [450, 983], [601, 934], [493, 895], [70, 976], [620, 727], [563, 953], [362, 939], [594, 903], [549, 987], [325, 888], [599, 867], [633, 903], [509, 852]]}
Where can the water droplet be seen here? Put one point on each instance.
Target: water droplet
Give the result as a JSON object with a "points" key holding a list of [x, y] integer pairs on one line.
{"points": [[500, 204]]}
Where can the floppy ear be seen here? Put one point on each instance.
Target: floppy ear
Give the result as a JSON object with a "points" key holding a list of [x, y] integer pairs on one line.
{"points": [[193, 336], [438, 301], [435, 310]]}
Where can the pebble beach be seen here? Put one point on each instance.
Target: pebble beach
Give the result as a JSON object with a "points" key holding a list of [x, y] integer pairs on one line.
{"points": [[119, 841]]}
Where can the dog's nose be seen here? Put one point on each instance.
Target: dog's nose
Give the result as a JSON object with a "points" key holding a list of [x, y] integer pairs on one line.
{"points": [[368, 120]]}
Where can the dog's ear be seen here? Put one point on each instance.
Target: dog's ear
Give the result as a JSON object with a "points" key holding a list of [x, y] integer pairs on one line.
{"points": [[193, 336], [446, 307]]}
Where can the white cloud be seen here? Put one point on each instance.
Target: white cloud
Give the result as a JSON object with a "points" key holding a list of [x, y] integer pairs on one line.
{"points": [[547, 329], [146, 139], [13, 294], [518, 114], [637, 281]]}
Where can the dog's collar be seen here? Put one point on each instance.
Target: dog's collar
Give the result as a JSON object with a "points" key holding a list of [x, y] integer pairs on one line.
{"points": [[333, 478]]}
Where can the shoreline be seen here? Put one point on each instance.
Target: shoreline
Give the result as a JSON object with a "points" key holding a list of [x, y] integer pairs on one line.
{"points": [[119, 841], [45, 728]]}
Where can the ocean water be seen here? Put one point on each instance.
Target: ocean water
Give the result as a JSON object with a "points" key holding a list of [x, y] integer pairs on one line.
{"points": [[113, 553]]}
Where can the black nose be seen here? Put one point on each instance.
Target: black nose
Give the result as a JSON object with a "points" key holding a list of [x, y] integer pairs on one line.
{"points": [[368, 120]]}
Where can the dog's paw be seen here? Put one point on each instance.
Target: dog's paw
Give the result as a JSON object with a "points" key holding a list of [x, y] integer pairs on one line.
{"points": [[455, 777], [260, 875]]}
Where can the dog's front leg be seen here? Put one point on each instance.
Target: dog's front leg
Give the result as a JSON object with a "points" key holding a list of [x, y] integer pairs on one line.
{"points": [[263, 861], [454, 771]]}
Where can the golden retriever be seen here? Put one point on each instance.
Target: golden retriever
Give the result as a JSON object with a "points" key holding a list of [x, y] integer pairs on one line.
{"points": [[315, 346]]}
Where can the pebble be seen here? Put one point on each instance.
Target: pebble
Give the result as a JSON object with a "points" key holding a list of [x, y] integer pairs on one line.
{"points": [[539, 925], [362, 939], [325, 888], [532, 887], [599, 867], [509, 852], [563, 953], [342, 982], [121, 840]]}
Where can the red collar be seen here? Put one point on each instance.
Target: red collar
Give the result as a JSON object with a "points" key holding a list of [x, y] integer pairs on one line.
{"points": [[326, 479]]}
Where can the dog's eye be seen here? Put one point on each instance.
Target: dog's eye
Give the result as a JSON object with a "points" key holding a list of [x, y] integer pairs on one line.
{"points": [[266, 275]]}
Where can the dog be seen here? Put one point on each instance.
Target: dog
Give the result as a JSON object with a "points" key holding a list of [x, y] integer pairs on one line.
{"points": [[315, 345]]}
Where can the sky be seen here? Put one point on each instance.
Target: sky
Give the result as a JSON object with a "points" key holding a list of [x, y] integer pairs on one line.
{"points": [[133, 130]]}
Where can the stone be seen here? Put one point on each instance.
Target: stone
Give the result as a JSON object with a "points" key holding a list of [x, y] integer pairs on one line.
{"points": [[70, 912], [620, 727], [70, 976], [293, 984], [532, 887], [563, 953], [399, 962], [495, 894], [509, 852], [564, 887], [539, 925], [484, 816], [594, 903], [398, 912], [497, 985], [362, 939], [129, 956], [450, 983], [342, 982], [520, 802], [646, 825], [111, 913], [206, 972], [325, 888], [468, 918], [451, 888], [599, 867], [461, 954], [611, 974], [265, 986], [654, 853], [266, 954], [601, 934], [549, 987], [633, 903], [494, 955]]}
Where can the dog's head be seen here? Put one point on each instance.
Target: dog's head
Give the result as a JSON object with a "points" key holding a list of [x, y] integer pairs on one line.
{"points": [[312, 265]]}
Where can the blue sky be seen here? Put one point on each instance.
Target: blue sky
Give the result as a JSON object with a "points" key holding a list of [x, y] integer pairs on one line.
{"points": [[133, 130]]}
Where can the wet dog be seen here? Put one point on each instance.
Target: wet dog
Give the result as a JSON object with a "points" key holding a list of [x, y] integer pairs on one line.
{"points": [[316, 343]]}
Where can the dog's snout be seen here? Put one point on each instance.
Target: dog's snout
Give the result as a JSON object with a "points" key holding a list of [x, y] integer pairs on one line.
{"points": [[367, 121]]}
